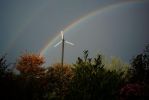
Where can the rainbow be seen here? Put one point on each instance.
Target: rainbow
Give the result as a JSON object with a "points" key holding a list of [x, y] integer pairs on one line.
{"points": [[83, 18]]}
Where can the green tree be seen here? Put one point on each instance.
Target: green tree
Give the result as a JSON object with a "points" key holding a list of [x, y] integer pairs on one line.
{"points": [[140, 66], [92, 82], [119, 66]]}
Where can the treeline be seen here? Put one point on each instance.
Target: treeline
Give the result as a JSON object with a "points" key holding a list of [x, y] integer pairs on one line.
{"points": [[87, 79]]}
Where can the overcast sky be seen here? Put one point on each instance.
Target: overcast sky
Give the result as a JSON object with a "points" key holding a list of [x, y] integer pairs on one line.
{"points": [[27, 25]]}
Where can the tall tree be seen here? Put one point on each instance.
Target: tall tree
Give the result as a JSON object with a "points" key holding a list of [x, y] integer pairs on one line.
{"points": [[32, 80]]}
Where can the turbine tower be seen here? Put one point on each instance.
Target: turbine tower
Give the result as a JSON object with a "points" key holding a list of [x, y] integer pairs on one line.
{"points": [[63, 41]]}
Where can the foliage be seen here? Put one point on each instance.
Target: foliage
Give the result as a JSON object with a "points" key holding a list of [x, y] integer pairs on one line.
{"points": [[31, 88], [120, 67], [7, 80], [87, 79], [140, 66], [138, 88], [32, 79], [30, 64], [3, 66], [92, 82], [117, 65], [59, 79]]}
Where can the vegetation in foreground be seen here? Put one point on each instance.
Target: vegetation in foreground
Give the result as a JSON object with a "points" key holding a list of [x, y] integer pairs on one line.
{"points": [[87, 79]]}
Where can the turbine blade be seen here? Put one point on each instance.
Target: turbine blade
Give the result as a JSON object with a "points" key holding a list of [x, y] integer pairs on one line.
{"points": [[69, 43], [62, 34], [57, 44]]}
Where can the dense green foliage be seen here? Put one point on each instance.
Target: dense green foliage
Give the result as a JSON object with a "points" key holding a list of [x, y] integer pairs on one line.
{"points": [[92, 81], [87, 79]]}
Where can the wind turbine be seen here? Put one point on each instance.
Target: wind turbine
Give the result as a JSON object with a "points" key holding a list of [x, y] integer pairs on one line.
{"points": [[63, 41]]}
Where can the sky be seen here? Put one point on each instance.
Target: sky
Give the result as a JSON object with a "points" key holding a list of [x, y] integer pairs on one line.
{"points": [[113, 27]]}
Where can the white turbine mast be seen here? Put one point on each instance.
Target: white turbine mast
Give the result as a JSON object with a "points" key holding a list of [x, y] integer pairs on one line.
{"points": [[63, 41]]}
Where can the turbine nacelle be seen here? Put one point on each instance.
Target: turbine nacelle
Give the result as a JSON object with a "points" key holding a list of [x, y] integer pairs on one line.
{"points": [[62, 34], [65, 41]]}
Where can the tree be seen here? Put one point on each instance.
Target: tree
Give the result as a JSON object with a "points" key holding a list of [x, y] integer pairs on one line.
{"points": [[140, 66], [3, 66], [92, 82], [30, 64], [59, 80], [30, 81], [137, 88], [7, 80], [119, 66]]}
